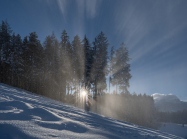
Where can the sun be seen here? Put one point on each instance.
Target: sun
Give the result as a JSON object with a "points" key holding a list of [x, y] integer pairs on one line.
{"points": [[83, 93]]}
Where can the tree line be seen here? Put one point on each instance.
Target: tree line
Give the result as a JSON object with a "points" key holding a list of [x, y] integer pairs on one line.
{"points": [[61, 69], [178, 117], [133, 108]]}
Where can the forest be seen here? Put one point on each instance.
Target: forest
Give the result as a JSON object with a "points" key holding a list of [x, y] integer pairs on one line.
{"points": [[178, 117], [61, 69]]}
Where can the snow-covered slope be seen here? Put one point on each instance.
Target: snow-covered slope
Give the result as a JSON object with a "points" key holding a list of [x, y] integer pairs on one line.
{"points": [[169, 103], [27, 115], [176, 129]]}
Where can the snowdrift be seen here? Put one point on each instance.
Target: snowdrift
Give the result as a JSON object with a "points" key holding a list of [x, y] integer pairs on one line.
{"points": [[27, 115]]}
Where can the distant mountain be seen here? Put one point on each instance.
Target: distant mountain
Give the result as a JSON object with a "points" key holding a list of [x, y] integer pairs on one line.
{"points": [[168, 103]]}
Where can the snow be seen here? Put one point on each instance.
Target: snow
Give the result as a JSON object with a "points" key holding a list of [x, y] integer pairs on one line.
{"points": [[168, 103], [165, 98], [27, 115], [175, 129]]}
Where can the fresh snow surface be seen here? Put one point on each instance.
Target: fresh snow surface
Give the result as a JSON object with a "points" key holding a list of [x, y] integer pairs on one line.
{"points": [[27, 115], [175, 129]]}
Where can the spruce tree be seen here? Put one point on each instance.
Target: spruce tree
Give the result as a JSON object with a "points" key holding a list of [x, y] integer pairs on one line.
{"points": [[122, 74], [5, 37], [88, 56], [25, 58], [34, 60], [111, 65], [63, 64], [100, 66], [15, 59], [78, 62], [51, 70], [69, 68]]}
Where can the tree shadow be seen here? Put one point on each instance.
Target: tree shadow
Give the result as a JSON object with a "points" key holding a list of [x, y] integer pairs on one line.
{"points": [[14, 134]]}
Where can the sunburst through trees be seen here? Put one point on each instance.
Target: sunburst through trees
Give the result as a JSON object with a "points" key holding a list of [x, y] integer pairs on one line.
{"points": [[63, 70]]}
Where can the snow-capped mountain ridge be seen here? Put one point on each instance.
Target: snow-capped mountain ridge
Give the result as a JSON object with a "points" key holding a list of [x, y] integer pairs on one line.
{"points": [[169, 102], [165, 98]]}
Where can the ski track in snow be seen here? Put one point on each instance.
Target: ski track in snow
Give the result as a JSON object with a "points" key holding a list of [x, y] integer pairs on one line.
{"points": [[27, 115]]}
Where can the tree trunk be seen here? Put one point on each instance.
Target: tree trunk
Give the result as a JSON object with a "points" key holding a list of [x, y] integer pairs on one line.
{"points": [[3, 73], [68, 89], [0, 66], [116, 88], [109, 85], [12, 78]]}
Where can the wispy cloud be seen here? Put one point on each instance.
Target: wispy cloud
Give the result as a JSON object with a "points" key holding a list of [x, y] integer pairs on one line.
{"points": [[76, 12], [90, 7], [62, 6], [147, 27], [86, 9]]}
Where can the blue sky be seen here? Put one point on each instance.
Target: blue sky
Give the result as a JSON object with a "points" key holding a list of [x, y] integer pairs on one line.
{"points": [[155, 33]]}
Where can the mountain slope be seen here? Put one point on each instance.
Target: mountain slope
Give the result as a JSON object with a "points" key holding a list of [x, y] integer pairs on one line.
{"points": [[168, 103], [27, 115]]}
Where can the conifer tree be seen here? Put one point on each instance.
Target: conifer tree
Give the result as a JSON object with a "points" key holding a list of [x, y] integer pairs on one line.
{"points": [[111, 65], [88, 62], [34, 59], [56, 69], [5, 36], [99, 68], [15, 59], [24, 55], [78, 61], [49, 51], [63, 63], [51, 70], [122, 74], [69, 67]]}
